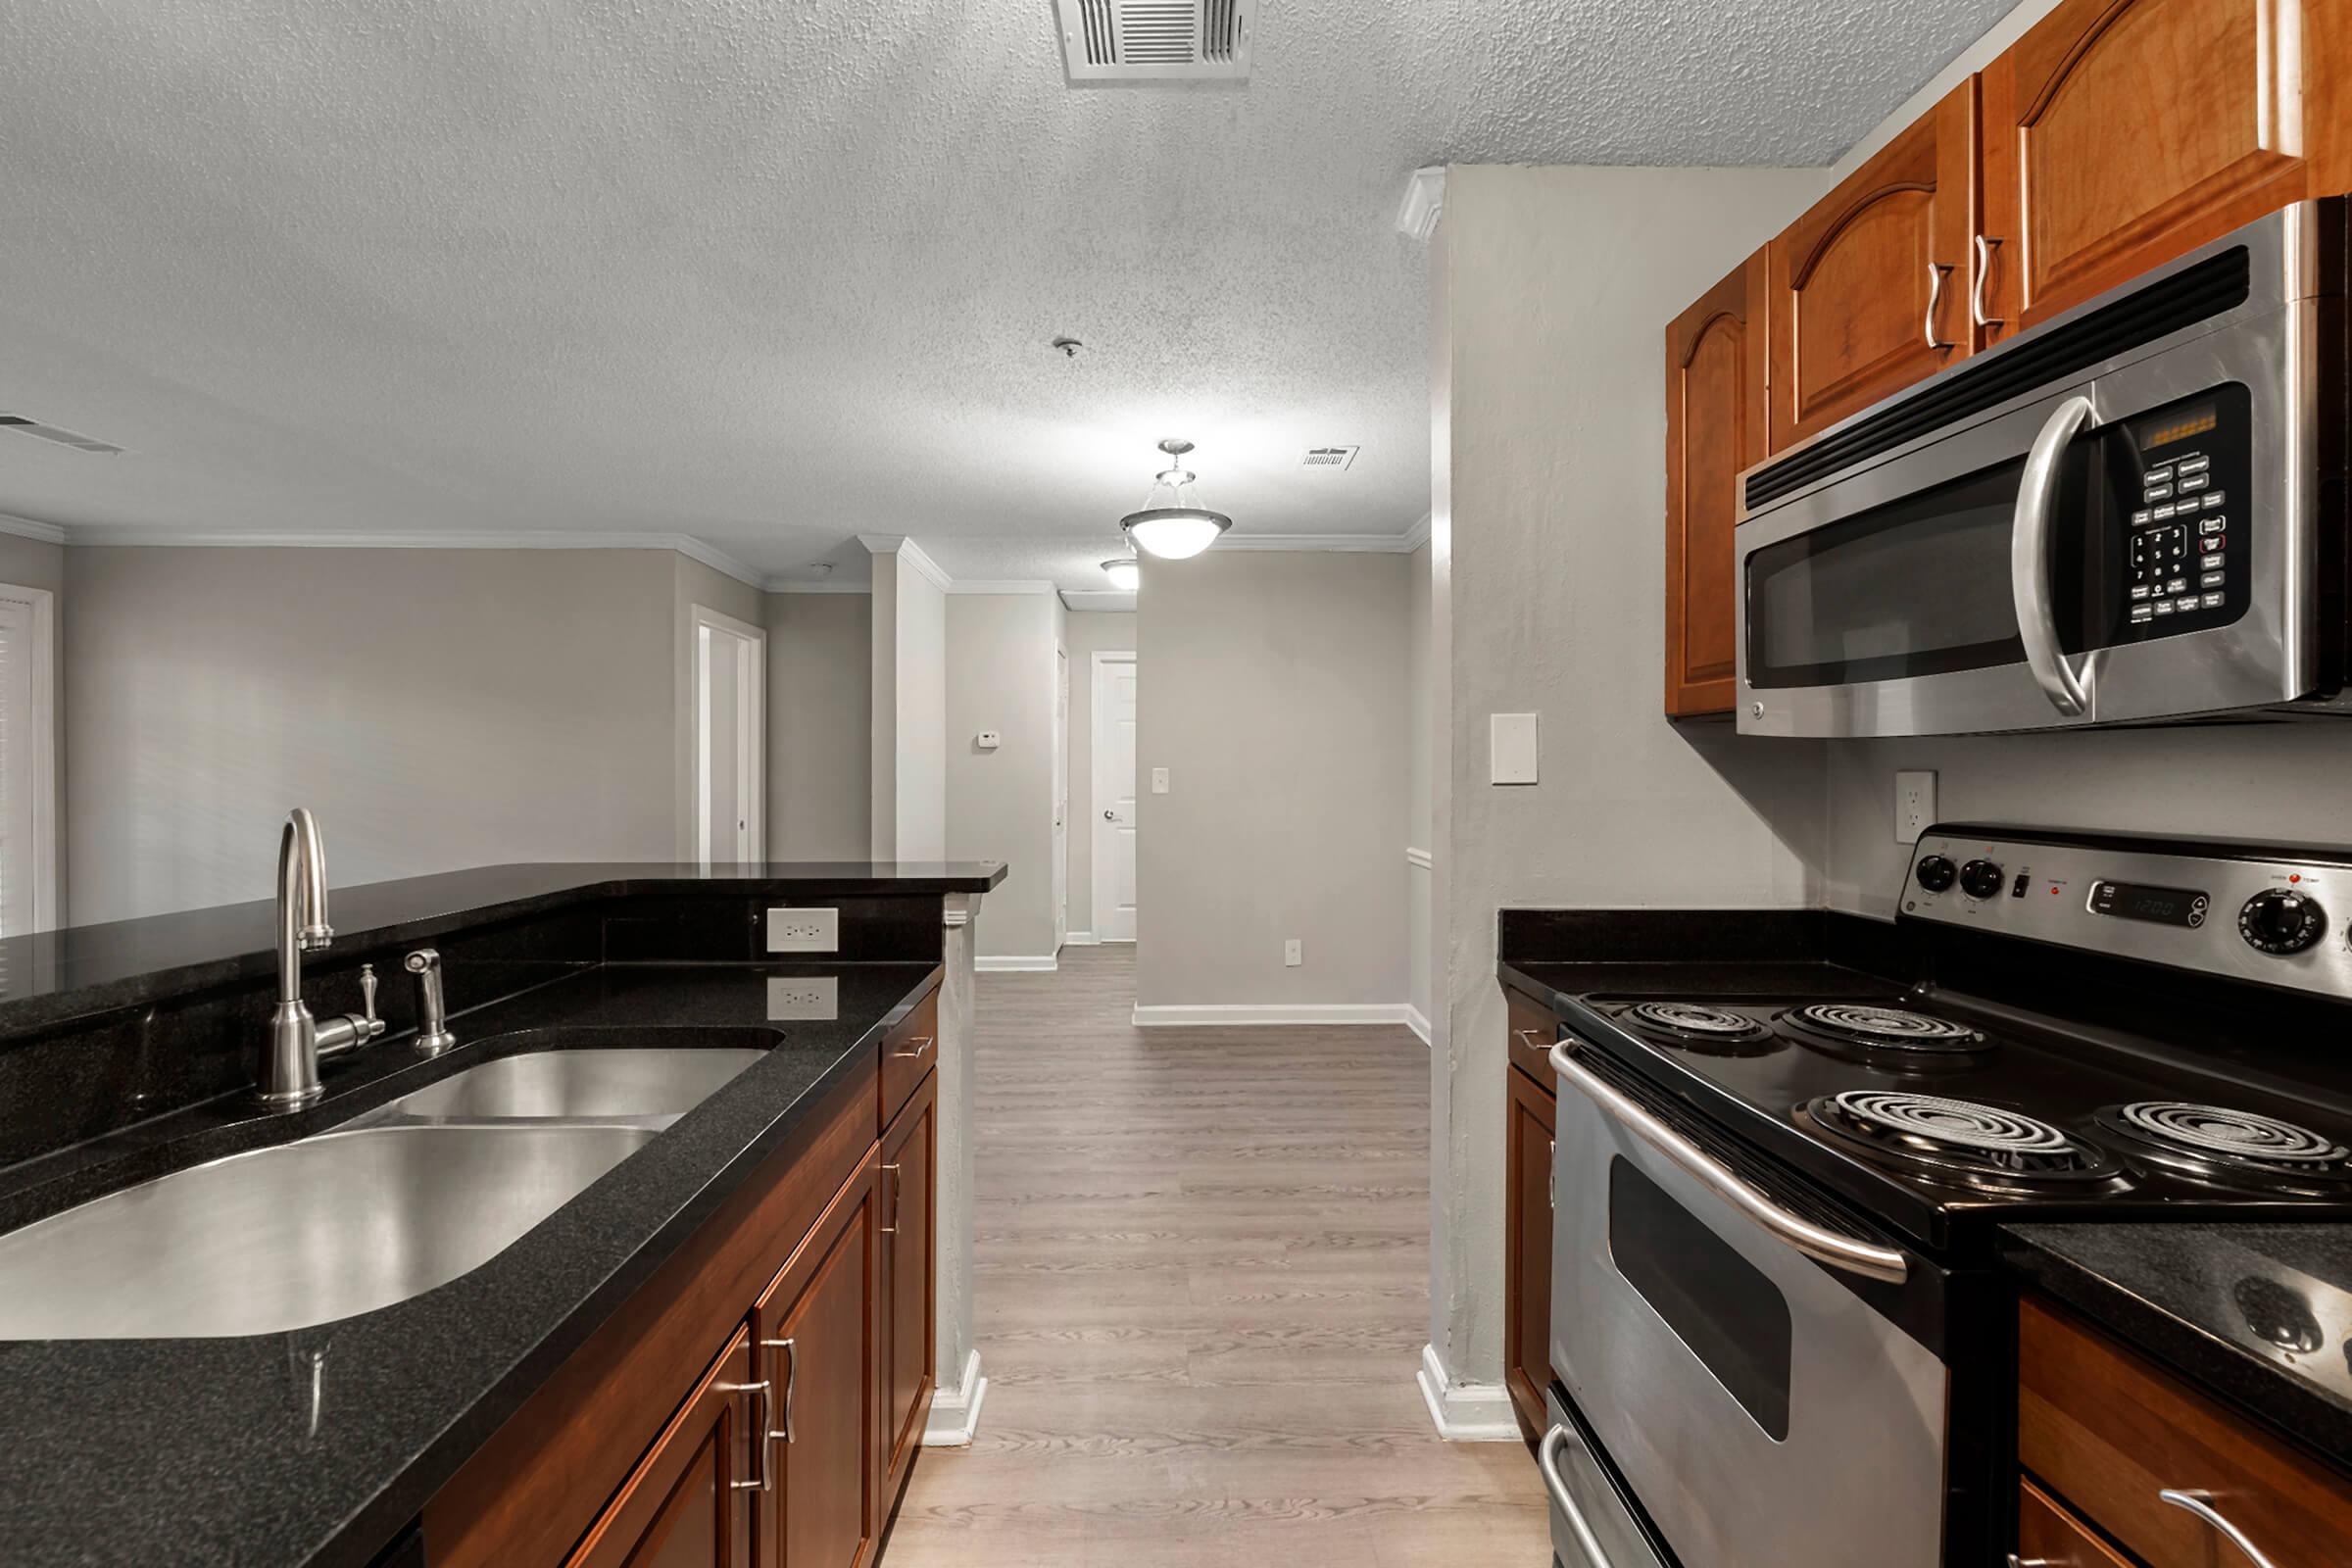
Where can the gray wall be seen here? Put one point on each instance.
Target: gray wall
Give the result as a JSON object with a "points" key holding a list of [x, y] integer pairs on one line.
{"points": [[819, 726], [1088, 631], [1272, 685], [999, 804], [437, 708], [1553, 290]]}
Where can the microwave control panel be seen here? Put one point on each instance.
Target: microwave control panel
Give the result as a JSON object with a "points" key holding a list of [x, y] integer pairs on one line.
{"points": [[2183, 478]]}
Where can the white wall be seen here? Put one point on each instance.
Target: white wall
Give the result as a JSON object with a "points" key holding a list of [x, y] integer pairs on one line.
{"points": [[437, 709], [910, 665], [1420, 806], [1554, 289], [1000, 802], [39, 564], [819, 726], [1088, 632], [1272, 686]]}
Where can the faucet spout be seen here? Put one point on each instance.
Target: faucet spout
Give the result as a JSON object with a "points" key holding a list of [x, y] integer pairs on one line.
{"points": [[290, 1060]]}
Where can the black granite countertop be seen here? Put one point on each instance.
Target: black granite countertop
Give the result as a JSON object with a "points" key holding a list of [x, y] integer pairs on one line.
{"points": [[318, 1445], [1552, 954], [2260, 1314], [54, 976]]}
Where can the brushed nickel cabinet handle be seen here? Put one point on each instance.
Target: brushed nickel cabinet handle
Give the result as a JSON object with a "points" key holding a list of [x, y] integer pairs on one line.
{"points": [[892, 1229], [922, 1042], [2201, 1503], [1937, 271], [1976, 298], [792, 1377], [765, 1480]]}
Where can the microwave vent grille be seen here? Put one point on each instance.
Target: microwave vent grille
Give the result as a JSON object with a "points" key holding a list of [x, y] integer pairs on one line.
{"points": [[2170, 305]]}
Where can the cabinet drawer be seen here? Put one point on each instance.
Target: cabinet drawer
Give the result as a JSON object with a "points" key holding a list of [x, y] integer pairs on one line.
{"points": [[1533, 1030], [908, 1051], [2108, 1431], [2049, 1536]]}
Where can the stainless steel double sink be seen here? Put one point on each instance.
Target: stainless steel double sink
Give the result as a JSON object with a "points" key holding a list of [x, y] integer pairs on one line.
{"points": [[403, 1199]]}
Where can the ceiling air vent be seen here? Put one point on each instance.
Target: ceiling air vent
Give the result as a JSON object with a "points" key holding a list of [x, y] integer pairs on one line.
{"points": [[1156, 40], [1337, 458], [21, 425]]}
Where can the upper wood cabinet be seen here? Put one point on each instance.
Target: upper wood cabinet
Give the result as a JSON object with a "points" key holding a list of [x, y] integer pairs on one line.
{"points": [[2119, 133], [1869, 290], [1714, 427]]}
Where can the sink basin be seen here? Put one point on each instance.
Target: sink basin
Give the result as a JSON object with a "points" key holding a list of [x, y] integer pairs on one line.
{"points": [[294, 1236], [643, 1082]]}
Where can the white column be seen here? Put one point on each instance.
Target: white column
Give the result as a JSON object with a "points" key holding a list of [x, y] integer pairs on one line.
{"points": [[955, 1404]]}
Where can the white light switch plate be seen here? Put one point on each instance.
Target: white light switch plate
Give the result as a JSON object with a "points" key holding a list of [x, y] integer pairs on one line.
{"points": [[1511, 749], [1160, 781], [1914, 803], [815, 996], [1293, 953], [803, 930]]}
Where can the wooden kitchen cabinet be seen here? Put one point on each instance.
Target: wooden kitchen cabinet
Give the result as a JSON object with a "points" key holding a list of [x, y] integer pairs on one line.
{"points": [[2120, 134], [1715, 418], [818, 1327], [909, 1281], [694, 1500], [1527, 1243], [1868, 291]]}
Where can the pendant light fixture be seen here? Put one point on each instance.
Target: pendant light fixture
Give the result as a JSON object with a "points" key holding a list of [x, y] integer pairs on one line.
{"points": [[1126, 573], [1170, 526]]}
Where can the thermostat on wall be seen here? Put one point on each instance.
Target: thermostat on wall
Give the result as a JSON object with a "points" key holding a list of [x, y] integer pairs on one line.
{"points": [[988, 740]]}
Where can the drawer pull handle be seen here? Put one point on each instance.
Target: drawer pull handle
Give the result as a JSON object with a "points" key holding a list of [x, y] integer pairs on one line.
{"points": [[1527, 1037], [2201, 1503], [1547, 1460], [921, 1044]]}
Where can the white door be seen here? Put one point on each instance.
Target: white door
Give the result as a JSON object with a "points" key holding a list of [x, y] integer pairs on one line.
{"points": [[1114, 797], [1062, 797], [731, 739], [27, 762]]}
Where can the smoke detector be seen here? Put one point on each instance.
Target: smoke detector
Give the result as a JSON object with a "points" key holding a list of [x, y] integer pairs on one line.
{"points": [[22, 425], [1156, 40], [1334, 457]]}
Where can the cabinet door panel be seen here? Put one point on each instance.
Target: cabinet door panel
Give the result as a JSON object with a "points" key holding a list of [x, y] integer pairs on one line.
{"points": [[689, 1502], [2120, 134], [1869, 289], [1714, 429], [1527, 1266], [817, 1335], [910, 1167]]}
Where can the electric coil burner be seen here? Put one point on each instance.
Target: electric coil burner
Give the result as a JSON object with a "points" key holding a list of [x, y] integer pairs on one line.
{"points": [[1696, 1027], [1957, 1138], [1865, 1031], [2232, 1147]]}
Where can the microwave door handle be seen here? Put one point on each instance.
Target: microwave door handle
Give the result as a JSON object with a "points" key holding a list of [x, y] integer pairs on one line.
{"points": [[2030, 562], [1817, 1241]]}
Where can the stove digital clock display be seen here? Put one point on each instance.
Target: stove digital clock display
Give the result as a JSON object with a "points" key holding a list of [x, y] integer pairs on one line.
{"points": [[2133, 900]]}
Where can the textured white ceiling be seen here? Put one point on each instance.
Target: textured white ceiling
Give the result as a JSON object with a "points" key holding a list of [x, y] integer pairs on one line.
{"points": [[773, 274]]}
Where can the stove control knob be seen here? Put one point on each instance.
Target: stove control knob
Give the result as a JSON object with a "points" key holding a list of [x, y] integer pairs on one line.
{"points": [[1935, 873], [2278, 922], [1979, 879]]}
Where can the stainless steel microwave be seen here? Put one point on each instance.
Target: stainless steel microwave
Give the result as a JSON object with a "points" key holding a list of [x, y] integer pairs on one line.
{"points": [[2134, 513]]}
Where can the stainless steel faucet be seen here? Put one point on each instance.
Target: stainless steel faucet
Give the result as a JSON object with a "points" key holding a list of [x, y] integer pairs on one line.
{"points": [[432, 1006], [290, 1063]]}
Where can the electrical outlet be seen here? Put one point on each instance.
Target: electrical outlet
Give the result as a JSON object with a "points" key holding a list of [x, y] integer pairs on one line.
{"points": [[1294, 954], [814, 996], [803, 930], [1914, 803]]}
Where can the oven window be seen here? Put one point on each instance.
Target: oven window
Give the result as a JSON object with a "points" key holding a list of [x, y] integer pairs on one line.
{"points": [[1725, 1308]]}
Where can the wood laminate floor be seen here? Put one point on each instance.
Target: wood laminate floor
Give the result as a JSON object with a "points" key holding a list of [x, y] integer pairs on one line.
{"points": [[1203, 1282]]}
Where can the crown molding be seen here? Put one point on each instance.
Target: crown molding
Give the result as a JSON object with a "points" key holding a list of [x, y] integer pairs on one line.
{"points": [[536, 539], [1110, 599], [907, 550], [1393, 544], [805, 585], [1418, 534], [1423, 202], [48, 533], [1015, 585]]}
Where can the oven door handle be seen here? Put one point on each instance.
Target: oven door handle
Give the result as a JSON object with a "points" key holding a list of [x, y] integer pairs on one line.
{"points": [[1547, 1460], [2068, 689], [1817, 1241]]}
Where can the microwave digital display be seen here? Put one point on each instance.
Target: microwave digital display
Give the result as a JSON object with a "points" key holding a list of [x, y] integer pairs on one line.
{"points": [[2177, 425]]}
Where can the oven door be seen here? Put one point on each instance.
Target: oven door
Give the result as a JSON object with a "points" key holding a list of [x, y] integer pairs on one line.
{"points": [[1762, 1410], [2044, 567]]}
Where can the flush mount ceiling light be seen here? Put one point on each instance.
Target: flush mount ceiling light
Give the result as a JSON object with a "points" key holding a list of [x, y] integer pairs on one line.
{"points": [[1126, 573], [1170, 526]]}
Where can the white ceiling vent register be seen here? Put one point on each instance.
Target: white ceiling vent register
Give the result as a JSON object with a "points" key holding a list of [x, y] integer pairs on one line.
{"points": [[19, 425], [1336, 458], [1156, 40]]}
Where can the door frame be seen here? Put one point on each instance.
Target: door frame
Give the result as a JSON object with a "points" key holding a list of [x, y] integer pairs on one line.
{"points": [[1061, 698], [751, 731], [40, 763], [1103, 659]]}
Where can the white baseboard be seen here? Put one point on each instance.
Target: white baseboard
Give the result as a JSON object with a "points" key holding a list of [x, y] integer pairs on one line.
{"points": [[1272, 1012], [1079, 939], [955, 1412], [1017, 964], [1417, 1023], [1465, 1412]]}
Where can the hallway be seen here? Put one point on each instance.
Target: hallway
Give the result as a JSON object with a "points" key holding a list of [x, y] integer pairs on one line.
{"points": [[1202, 1288]]}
